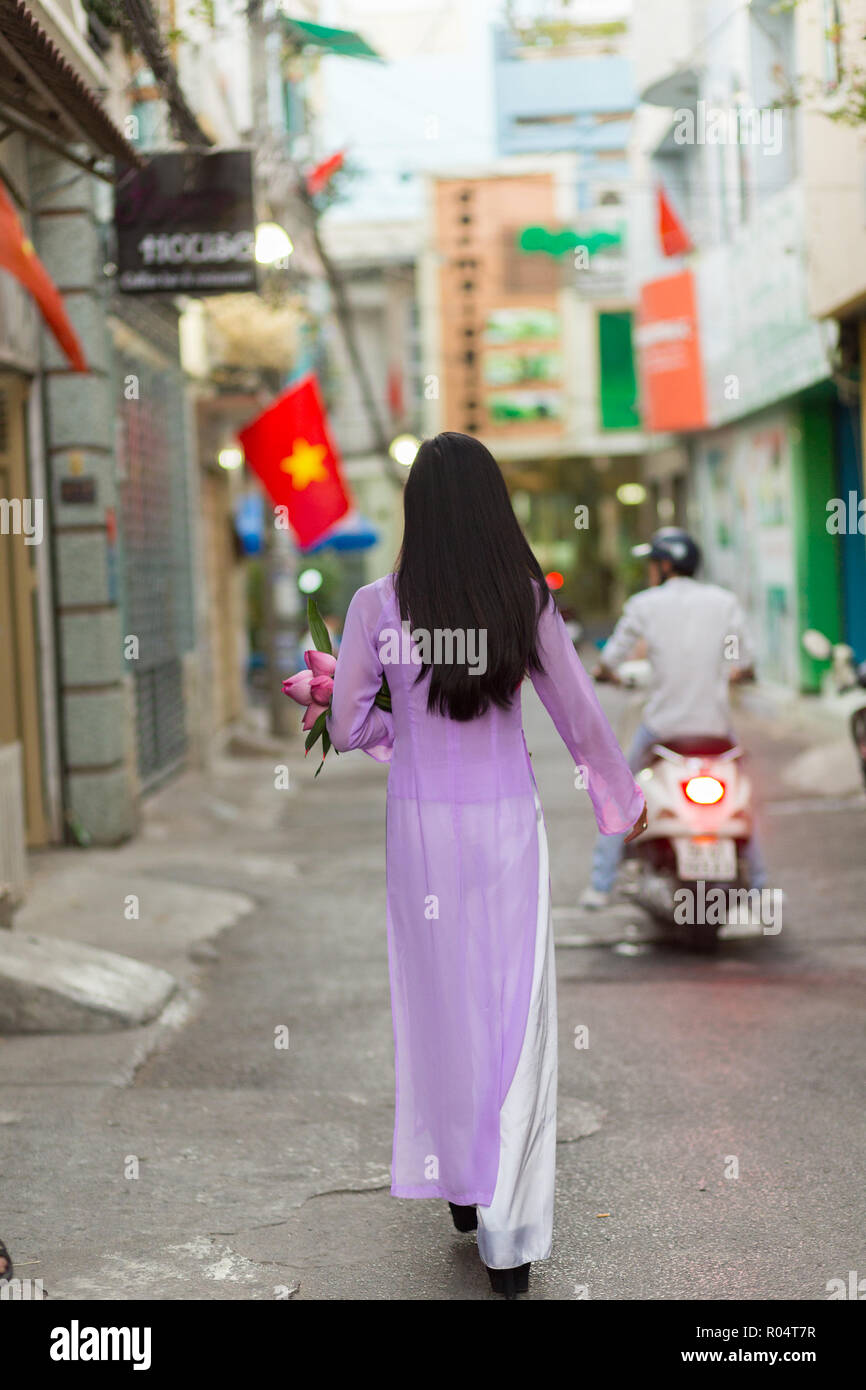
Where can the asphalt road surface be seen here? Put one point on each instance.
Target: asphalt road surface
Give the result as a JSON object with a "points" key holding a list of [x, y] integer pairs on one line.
{"points": [[712, 1141]]}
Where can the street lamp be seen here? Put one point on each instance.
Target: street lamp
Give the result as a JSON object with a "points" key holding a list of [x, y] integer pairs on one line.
{"points": [[230, 458], [273, 244], [310, 581], [631, 494], [404, 448]]}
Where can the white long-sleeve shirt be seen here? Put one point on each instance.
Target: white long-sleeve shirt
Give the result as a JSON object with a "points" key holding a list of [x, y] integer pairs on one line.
{"points": [[695, 634]]}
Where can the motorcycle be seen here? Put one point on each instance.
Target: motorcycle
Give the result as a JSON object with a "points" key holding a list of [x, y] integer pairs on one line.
{"points": [[699, 821], [845, 678]]}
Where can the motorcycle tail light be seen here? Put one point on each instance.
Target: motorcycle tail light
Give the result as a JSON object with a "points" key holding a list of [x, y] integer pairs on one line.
{"points": [[704, 791]]}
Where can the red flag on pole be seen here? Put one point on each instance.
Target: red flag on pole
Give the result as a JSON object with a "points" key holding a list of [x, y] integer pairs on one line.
{"points": [[319, 177], [672, 234], [395, 392], [290, 449], [19, 258]]}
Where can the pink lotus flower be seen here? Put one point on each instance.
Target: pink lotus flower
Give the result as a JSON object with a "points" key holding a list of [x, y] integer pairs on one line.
{"points": [[322, 688], [320, 663], [314, 688], [299, 687], [311, 715]]}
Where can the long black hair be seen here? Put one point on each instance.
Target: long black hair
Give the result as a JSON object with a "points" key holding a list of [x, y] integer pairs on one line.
{"points": [[465, 564]]}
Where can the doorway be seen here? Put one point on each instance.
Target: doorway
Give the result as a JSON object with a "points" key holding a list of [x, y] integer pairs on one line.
{"points": [[23, 526]]}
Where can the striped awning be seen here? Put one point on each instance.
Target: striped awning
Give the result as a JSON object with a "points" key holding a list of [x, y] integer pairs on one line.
{"points": [[43, 96]]}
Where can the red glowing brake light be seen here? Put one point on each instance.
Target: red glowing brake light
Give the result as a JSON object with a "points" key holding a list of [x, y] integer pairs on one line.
{"points": [[704, 791]]}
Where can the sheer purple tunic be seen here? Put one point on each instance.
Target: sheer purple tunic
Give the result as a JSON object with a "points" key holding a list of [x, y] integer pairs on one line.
{"points": [[462, 870]]}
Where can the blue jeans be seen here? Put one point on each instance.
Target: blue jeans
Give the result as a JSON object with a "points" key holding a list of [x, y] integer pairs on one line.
{"points": [[608, 848]]}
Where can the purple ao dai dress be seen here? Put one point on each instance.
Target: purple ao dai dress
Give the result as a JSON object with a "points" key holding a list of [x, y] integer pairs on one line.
{"points": [[469, 932]]}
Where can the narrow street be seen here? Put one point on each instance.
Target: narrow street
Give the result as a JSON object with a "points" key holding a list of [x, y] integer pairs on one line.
{"points": [[294, 296], [263, 1169]]}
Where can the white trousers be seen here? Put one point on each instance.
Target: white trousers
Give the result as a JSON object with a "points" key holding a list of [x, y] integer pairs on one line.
{"points": [[517, 1227]]}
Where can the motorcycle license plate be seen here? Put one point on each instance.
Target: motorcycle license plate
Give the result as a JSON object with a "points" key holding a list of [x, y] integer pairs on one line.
{"points": [[706, 859]]}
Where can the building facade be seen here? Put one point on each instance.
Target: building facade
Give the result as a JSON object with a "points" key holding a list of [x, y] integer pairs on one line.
{"points": [[105, 616], [65, 705], [829, 40], [734, 362]]}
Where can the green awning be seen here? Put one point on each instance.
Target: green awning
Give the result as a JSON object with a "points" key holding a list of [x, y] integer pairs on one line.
{"points": [[345, 42]]}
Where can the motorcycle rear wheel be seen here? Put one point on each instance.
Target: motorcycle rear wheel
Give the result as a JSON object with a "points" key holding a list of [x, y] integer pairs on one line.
{"points": [[700, 937]]}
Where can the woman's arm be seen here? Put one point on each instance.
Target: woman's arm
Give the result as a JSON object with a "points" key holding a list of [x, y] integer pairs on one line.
{"points": [[569, 697], [355, 721]]}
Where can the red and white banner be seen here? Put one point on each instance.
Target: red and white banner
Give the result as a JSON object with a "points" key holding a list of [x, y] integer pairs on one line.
{"points": [[669, 355]]}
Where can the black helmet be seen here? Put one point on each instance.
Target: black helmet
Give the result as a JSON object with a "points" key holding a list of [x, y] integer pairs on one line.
{"points": [[674, 544]]}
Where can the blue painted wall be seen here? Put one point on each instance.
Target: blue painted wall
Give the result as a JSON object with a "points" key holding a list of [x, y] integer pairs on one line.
{"points": [[578, 89]]}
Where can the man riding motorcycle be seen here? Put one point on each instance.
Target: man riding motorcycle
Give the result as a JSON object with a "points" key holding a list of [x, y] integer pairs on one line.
{"points": [[697, 644]]}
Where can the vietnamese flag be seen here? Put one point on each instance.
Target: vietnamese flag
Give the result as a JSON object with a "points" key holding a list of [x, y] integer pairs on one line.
{"points": [[289, 447], [19, 258], [672, 234]]}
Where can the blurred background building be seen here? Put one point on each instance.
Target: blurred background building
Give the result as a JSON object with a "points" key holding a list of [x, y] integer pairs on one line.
{"points": [[622, 244], [739, 128]]}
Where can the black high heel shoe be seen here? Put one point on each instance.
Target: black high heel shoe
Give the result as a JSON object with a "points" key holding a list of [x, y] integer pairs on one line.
{"points": [[464, 1218], [510, 1282]]}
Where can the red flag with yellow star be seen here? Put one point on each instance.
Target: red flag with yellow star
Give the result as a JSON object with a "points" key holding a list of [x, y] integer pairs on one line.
{"points": [[19, 258], [289, 447]]}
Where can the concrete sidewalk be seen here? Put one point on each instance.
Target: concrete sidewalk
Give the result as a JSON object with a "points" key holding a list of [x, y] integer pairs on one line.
{"points": [[825, 763], [157, 899]]}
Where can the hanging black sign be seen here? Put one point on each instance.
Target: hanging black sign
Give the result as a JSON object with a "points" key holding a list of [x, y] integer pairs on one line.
{"points": [[186, 225]]}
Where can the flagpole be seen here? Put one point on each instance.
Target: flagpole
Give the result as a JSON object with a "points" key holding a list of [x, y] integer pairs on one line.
{"points": [[279, 565], [281, 722]]}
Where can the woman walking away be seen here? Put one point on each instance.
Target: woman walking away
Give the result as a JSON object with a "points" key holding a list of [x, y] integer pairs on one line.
{"points": [[455, 629]]}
